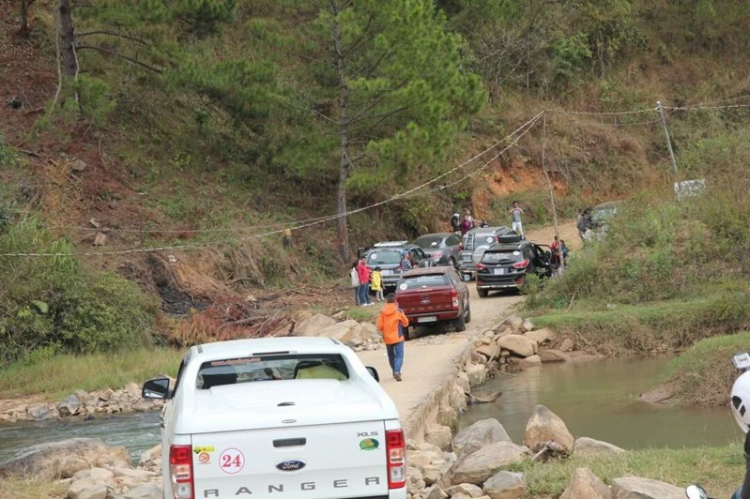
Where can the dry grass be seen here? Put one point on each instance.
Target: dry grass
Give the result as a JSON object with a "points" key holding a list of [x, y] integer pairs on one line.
{"points": [[59, 376], [31, 489]]}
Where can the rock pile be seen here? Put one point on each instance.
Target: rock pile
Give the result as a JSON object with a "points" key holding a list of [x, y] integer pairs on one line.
{"points": [[82, 403], [90, 469], [357, 335], [476, 465]]}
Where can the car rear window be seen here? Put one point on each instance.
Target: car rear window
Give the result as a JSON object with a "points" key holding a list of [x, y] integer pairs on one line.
{"points": [[429, 242], [387, 257], [271, 368], [424, 281], [502, 256]]}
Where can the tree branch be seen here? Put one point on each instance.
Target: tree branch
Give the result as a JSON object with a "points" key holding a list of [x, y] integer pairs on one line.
{"points": [[121, 56], [112, 33]]}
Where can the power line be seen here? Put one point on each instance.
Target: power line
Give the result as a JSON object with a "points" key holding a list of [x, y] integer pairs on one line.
{"points": [[523, 130]]}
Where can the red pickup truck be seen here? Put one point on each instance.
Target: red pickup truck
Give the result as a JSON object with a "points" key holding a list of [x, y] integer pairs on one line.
{"points": [[433, 295]]}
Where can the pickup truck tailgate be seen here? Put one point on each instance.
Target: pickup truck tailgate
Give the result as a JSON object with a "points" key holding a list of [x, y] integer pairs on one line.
{"points": [[343, 460]]}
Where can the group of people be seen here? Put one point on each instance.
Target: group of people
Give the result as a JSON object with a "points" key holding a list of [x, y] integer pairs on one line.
{"points": [[392, 320], [468, 223]]}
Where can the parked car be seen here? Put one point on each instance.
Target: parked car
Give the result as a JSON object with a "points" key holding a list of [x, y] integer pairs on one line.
{"points": [[434, 295], [444, 248], [506, 265], [256, 416], [475, 243], [388, 255]]}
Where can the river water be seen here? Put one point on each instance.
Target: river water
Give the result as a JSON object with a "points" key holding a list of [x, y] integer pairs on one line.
{"points": [[598, 399], [137, 432]]}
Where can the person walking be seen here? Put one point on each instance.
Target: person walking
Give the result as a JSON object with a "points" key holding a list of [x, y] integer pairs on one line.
{"points": [[376, 278], [391, 323], [363, 272], [515, 213], [354, 275]]}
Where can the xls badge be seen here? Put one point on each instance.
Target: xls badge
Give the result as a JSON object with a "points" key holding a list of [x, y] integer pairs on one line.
{"points": [[369, 444]]}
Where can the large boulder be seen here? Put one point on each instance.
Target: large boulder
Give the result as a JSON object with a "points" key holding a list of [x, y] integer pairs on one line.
{"points": [[343, 331], [584, 484], [540, 335], [517, 344], [585, 446], [86, 489], [474, 437], [69, 406], [545, 426], [491, 351], [438, 435], [44, 461], [631, 487], [554, 356], [515, 323], [41, 412], [467, 489], [71, 465], [435, 492], [311, 326], [477, 467], [505, 485]]}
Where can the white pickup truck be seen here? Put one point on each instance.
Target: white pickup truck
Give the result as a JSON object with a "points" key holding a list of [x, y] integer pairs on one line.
{"points": [[297, 418]]}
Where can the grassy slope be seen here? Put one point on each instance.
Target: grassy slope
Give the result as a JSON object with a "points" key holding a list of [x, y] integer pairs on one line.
{"points": [[61, 375]]}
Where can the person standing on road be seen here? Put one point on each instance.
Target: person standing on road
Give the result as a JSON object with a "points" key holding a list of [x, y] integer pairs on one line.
{"points": [[363, 272], [467, 224], [377, 283], [515, 213], [456, 222], [391, 323], [354, 275]]}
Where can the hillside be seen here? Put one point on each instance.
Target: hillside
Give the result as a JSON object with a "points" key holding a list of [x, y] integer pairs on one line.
{"points": [[192, 136]]}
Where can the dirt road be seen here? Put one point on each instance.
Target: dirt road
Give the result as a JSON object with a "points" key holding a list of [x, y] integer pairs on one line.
{"points": [[427, 358]]}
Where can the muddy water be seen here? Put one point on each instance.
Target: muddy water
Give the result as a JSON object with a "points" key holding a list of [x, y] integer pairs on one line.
{"points": [[598, 399], [137, 432]]}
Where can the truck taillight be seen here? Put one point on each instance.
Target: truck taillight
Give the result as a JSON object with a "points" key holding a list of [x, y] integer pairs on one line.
{"points": [[521, 265], [454, 298], [181, 471], [481, 266], [395, 445]]}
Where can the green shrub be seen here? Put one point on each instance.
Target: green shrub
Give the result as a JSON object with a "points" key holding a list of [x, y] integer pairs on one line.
{"points": [[58, 305]]}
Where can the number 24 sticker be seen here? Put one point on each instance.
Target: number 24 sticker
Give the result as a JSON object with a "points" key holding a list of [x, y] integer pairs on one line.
{"points": [[232, 461]]}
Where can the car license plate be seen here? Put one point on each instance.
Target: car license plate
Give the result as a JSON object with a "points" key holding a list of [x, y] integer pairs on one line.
{"points": [[431, 318], [499, 271], [387, 272], [466, 258]]}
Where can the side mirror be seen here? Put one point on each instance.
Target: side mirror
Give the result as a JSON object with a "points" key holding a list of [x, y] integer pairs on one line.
{"points": [[156, 389], [373, 372], [695, 492]]}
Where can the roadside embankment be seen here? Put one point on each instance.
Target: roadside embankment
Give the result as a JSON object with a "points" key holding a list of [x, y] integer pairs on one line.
{"points": [[703, 374]]}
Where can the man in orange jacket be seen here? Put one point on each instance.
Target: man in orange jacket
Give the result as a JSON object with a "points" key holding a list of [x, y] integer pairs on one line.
{"points": [[391, 323]]}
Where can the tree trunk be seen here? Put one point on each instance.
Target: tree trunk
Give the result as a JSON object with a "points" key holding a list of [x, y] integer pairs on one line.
{"points": [[67, 39], [24, 32], [342, 232]]}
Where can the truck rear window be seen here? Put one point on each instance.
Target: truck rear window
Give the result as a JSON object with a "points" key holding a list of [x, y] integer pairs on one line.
{"points": [[502, 256], [387, 257], [424, 281], [271, 368]]}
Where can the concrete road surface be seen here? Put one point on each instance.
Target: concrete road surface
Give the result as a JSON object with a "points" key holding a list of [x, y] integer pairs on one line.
{"points": [[428, 357]]}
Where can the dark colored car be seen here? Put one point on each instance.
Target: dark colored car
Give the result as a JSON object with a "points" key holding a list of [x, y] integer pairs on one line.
{"points": [[506, 265], [434, 295], [444, 248], [475, 243], [388, 256]]}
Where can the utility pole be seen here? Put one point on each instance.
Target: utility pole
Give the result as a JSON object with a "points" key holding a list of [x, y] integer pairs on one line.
{"points": [[550, 186], [666, 135]]}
